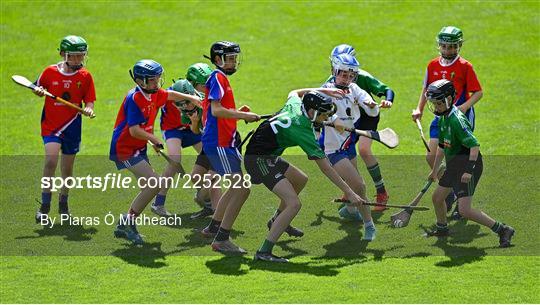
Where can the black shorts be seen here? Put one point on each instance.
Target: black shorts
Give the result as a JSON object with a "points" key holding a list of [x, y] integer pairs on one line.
{"points": [[367, 122], [455, 169], [268, 170], [202, 160]]}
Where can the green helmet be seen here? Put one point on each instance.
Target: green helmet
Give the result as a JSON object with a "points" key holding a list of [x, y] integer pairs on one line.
{"points": [[198, 73], [73, 44], [183, 86], [450, 35]]}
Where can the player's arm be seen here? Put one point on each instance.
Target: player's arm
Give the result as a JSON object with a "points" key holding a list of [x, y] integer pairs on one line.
{"points": [[195, 122], [221, 112], [177, 96], [138, 132], [88, 108], [475, 97], [439, 156], [333, 92], [417, 113], [380, 89], [328, 171]]}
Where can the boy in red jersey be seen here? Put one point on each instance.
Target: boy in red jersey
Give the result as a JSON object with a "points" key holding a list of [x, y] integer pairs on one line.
{"points": [[133, 129], [449, 65], [61, 125]]}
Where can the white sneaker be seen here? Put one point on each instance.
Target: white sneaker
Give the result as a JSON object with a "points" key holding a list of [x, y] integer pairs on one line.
{"points": [[160, 210]]}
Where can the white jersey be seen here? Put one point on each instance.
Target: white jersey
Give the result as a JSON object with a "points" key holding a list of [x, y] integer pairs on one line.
{"points": [[347, 111]]}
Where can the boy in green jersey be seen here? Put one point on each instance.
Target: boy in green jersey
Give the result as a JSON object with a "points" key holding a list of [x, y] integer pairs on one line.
{"points": [[291, 126], [464, 164]]}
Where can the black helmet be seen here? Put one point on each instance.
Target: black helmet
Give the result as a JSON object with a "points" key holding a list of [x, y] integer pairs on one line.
{"points": [[321, 103], [223, 48], [441, 90]]}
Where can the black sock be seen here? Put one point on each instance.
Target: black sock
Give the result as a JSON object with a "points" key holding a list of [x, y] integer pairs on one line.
{"points": [[214, 225], [442, 226], [222, 234], [497, 227]]}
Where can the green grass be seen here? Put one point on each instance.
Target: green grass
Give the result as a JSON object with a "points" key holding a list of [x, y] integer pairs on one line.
{"points": [[285, 47]]}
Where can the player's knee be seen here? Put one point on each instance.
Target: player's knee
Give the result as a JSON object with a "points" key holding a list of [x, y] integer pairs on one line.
{"points": [[464, 210], [365, 151], [295, 204], [50, 163]]}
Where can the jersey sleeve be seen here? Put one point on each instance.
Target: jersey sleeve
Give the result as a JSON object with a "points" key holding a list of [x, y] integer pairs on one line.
{"points": [[473, 84], [133, 113], [461, 127], [371, 84], [307, 142], [90, 92], [44, 79], [215, 88]]}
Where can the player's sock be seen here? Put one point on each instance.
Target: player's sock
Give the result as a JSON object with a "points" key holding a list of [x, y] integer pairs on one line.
{"points": [[375, 173], [45, 203], [369, 223], [497, 227], [441, 226], [214, 225], [222, 234], [160, 200], [63, 202], [267, 246]]}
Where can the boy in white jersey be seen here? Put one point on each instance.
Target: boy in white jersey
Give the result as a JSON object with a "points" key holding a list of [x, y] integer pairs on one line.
{"points": [[336, 145]]}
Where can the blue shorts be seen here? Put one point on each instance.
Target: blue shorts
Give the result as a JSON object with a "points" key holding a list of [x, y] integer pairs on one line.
{"points": [[351, 150], [187, 136], [132, 161], [69, 146], [224, 160], [434, 127], [339, 155]]}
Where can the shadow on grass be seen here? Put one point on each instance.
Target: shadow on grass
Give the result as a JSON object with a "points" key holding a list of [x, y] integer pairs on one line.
{"points": [[69, 232], [238, 266], [147, 255], [460, 234]]}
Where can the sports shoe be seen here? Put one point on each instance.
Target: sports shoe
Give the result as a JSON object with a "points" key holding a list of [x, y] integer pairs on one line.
{"points": [[227, 247], [345, 214], [42, 216], [161, 211], [505, 236], [290, 230], [269, 257], [381, 198], [207, 233], [369, 233], [206, 211], [438, 233], [128, 232]]}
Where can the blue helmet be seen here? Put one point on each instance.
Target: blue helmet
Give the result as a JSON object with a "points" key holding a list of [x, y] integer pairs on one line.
{"points": [[345, 62], [145, 69], [343, 49]]}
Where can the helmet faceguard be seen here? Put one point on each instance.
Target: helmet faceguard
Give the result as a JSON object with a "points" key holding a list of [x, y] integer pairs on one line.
{"points": [[185, 106], [345, 70], [440, 95], [229, 54], [149, 73], [74, 50]]}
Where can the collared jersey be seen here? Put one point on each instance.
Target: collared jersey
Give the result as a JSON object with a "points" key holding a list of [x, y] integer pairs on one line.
{"points": [[455, 134]]}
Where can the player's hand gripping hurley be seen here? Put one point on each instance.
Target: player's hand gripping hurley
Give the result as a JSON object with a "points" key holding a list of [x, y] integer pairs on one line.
{"points": [[23, 81]]}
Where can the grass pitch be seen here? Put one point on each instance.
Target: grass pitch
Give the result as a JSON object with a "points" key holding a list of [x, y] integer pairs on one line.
{"points": [[285, 46]]}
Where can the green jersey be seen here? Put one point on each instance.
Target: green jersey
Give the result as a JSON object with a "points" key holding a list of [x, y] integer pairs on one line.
{"points": [[369, 83], [455, 134], [289, 127]]}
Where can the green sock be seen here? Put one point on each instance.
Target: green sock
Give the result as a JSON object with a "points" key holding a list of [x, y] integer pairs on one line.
{"points": [[496, 227], [267, 246], [375, 173]]}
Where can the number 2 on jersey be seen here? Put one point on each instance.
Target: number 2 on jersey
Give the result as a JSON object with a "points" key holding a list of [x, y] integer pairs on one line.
{"points": [[281, 124]]}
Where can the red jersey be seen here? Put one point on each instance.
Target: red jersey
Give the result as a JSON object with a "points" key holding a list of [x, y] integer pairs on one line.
{"points": [[218, 131], [135, 110], [58, 119], [460, 72]]}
